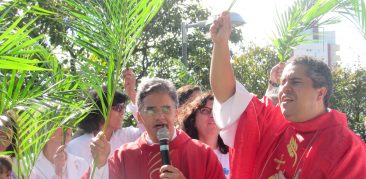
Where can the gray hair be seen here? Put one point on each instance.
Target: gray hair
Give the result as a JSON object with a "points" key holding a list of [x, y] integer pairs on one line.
{"points": [[155, 85], [318, 72]]}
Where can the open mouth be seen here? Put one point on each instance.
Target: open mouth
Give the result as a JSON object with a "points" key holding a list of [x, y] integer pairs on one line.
{"points": [[286, 100], [158, 126], [213, 122]]}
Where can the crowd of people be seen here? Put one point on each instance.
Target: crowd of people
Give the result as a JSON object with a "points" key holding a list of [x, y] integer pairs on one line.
{"points": [[224, 133]]}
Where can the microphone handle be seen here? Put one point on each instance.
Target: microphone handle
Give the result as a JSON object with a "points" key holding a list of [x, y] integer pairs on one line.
{"points": [[164, 151]]}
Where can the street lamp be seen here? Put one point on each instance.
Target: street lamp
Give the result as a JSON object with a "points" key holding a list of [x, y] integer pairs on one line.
{"points": [[236, 20]]}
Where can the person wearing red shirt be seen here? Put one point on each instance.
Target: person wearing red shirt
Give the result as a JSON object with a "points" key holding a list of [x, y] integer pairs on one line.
{"points": [[157, 107], [300, 137]]}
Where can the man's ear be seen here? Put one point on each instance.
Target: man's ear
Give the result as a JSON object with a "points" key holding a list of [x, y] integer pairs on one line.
{"points": [[321, 93]]}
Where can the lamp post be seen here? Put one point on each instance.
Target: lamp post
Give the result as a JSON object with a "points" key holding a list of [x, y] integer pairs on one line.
{"points": [[236, 20]]}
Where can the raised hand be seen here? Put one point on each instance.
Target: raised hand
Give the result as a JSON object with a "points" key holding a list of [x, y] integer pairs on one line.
{"points": [[100, 148], [129, 80], [276, 72], [220, 30]]}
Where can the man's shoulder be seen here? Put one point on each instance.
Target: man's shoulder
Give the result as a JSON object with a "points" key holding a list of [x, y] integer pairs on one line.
{"points": [[341, 140]]}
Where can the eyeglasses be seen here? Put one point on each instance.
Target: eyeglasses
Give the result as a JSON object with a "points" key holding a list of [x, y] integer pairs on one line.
{"points": [[205, 111], [154, 111], [119, 107]]}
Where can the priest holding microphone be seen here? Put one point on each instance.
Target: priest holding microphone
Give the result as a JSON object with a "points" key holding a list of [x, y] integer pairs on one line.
{"points": [[183, 157]]}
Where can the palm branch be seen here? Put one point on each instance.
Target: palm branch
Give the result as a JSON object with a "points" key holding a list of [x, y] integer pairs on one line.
{"points": [[109, 31], [301, 16], [355, 11], [32, 79]]}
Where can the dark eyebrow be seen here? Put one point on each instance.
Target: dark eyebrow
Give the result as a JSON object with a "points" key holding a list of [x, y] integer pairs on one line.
{"points": [[150, 107], [295, 78]]}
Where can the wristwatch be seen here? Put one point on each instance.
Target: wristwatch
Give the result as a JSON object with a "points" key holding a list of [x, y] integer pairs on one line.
{"points": [[274, 84]]}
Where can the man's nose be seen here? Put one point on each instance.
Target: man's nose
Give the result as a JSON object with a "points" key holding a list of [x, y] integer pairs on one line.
{"points": [[285, 88]]}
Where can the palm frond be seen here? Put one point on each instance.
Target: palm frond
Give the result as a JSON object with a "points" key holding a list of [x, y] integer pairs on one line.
{"points": [[301, 16], [355, 11], [109, 31]]}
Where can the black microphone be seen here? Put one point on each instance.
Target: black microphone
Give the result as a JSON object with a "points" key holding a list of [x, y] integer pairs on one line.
{"points": [[163, 136]]}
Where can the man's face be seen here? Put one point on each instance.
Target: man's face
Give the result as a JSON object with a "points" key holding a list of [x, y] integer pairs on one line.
{"points": [[158, 110], [298, 99]]}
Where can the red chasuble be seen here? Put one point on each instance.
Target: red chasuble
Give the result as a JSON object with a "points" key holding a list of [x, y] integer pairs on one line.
{"points": [[139, 160], [323, 147]]}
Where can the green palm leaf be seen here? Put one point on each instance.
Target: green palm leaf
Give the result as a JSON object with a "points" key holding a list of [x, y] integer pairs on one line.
{"points": [[31, 78], [109, 31], [298, 18], [355, 11]]}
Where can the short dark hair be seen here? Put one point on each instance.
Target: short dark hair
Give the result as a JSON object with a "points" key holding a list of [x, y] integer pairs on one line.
{"points": [[185, 92], [318, 72], [187, 118], [155, 85], [92, 121], [5, 164]]}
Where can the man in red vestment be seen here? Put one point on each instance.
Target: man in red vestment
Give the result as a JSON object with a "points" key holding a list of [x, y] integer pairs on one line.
{"points": [[157, 107], [298, 138]]}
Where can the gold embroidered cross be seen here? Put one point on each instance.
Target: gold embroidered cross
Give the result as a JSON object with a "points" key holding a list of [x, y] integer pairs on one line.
{"points": [[292, 149], [280, 162]]}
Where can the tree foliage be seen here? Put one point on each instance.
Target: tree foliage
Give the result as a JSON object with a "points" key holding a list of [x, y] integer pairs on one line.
{"points": [[159, 52], [253, 66], [350, 97]]}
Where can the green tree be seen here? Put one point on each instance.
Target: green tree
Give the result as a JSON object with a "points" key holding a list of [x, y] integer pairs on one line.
{"points": [[159, 51], [253, 66], [350, 97]]}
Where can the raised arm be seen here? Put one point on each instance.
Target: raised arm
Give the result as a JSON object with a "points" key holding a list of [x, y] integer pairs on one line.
{"points": [[129, 80], [222, 77], [273, 83]]}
